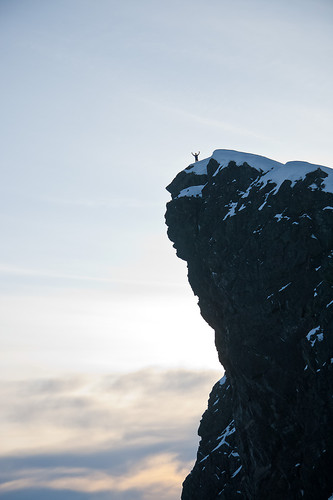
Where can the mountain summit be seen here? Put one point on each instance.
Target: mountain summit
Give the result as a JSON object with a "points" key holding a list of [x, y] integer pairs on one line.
{"points": [[257, 236]]}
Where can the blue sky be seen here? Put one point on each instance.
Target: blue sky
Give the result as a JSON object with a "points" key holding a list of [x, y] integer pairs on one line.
{"points": [[102, 103]]}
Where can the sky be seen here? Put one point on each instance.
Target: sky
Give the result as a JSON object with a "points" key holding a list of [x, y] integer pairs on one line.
{"points": [[106, 363]]}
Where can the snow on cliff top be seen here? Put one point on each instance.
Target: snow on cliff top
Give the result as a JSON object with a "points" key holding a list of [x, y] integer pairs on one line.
{"points": [[272, 170], [224, 156]]}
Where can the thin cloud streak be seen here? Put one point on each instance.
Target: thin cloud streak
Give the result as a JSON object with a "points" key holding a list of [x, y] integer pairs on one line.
{"points": [[203, 120], [109, 203], [44, 273], [158, 473]]}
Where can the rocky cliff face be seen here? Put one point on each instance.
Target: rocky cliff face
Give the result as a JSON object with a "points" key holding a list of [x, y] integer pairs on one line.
{"points": [[258, 237]]}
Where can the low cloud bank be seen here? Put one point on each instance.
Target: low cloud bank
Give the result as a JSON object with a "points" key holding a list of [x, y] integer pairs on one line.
{"points": [[131, 435]]}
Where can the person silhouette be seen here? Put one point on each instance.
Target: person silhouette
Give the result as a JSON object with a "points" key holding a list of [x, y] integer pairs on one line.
{"points": [[196, 155]]}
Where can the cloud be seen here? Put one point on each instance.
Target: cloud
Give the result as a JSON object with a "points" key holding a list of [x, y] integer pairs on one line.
{"points": [[121, 284], [121, 434], [155, 475], [146, 403], [114, 202], [43, 493], [205, 121]]}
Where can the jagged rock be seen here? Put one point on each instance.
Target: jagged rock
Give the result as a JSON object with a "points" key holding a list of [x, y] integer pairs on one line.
{"points": [[257, 236]]}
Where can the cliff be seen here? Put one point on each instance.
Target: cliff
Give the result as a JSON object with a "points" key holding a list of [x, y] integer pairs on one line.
{"points": [[257, 237]]}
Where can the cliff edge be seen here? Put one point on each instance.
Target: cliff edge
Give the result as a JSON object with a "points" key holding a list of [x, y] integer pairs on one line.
{"points": [[257, 236]]}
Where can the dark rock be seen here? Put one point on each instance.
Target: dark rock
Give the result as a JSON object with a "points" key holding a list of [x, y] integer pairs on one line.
{"points": [[258, 238]]}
